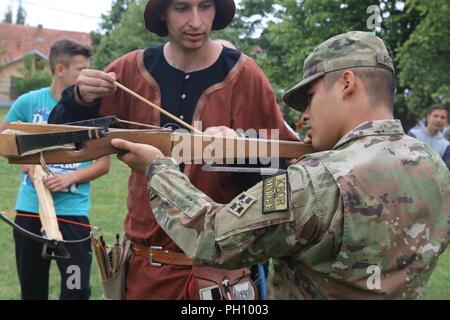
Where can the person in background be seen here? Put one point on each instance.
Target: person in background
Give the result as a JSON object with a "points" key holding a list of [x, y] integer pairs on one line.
{"points": [[70, 187], [431, 133]]}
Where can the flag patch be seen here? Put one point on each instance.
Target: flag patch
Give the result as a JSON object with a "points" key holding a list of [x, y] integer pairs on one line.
{"points": [[241, 204]]}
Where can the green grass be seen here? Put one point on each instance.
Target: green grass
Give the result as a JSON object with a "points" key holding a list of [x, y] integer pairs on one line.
{"points": [[108, 211]]}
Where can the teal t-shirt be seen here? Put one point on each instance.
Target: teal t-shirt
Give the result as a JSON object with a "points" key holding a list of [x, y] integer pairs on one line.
{"points": [[35, 107]]}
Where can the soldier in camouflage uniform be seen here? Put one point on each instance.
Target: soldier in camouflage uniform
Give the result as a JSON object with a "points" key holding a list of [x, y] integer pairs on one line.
{"points": [[366, 217]]}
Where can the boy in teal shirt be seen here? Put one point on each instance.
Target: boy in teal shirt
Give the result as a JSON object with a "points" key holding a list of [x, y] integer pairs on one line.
{"points": [[70, 187]]}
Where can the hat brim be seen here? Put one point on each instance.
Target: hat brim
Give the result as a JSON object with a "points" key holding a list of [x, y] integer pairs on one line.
{"points": [[225, 11], [297, 97]]}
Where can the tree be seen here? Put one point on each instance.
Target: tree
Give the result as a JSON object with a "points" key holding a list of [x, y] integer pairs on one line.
{"points": [[8, 15], [34, 77], [425, 57], [396, 29], [21, 14], [118, 8], [299, 26], [248, 20], [127, 35], [111, 20]]}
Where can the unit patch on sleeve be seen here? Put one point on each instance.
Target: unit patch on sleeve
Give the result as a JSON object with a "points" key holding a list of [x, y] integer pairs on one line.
{"points": [[241, 204], [275, 194]]}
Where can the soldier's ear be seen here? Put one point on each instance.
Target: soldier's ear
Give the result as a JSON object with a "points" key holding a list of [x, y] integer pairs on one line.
{"points": [[347, 83]]}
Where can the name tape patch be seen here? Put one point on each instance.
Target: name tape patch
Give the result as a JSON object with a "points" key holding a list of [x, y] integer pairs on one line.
{"points": [[275, 194]]}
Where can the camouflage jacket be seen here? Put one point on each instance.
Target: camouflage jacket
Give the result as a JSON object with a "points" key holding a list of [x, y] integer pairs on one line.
{"points": [[366, 220]]}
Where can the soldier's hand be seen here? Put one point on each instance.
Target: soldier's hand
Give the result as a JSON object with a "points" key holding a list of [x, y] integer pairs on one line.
{"points": [[137, 155], [93, 84]]}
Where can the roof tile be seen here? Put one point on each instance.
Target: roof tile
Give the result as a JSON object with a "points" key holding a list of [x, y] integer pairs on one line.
{"points": [[17, 40]]}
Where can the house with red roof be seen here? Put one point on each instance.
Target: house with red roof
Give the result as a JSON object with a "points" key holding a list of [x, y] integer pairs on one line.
{"points": [[19, 41]]}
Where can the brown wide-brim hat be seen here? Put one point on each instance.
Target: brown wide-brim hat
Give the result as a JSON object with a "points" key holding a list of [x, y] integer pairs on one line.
{"points": [[225, 10]]}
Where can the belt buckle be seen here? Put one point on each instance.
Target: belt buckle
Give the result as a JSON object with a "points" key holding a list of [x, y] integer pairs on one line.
{"points": [[150, 256]]}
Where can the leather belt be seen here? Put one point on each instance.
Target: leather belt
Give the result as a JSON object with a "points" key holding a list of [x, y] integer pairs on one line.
{"points": [[157, 256]]}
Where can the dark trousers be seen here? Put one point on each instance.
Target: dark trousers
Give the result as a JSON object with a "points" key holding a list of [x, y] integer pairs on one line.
{"points": [[33, 270]]}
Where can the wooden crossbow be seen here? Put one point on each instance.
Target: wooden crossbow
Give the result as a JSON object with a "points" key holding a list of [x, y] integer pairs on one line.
{"points": [[44, 144], [25, 143]]}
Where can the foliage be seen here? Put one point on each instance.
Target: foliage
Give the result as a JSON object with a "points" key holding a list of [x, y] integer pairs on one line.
{"points": [[247, 21], [21, 14], [396, 30], [8, 18], [119, 7], [425, 57], [127, 35], [111, 20], [34, 77]]}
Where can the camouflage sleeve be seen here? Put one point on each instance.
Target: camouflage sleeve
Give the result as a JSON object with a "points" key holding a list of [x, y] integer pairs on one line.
{"points": [[181, 209], [272, 219]]}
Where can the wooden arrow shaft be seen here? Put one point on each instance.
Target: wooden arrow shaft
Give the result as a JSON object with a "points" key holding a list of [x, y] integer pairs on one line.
{"points": [[151, 104]]}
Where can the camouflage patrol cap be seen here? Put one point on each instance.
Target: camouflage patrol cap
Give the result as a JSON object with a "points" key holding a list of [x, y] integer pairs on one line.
{"points": [[348, 50]]}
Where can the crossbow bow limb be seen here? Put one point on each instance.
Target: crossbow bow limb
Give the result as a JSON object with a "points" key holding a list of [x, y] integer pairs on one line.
{"points": [[53, 248]]}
